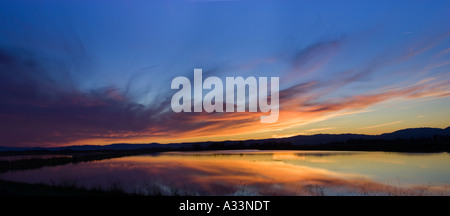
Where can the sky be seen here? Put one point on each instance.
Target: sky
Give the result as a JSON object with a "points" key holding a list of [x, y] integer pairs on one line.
{"points": [[100, 72]]}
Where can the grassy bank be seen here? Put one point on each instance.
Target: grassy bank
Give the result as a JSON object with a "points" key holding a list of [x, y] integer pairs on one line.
{"points": [[9, 188]]}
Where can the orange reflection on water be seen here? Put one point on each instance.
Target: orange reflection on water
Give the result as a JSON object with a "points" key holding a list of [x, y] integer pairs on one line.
{"points": [[232, 173], [262, 174]]}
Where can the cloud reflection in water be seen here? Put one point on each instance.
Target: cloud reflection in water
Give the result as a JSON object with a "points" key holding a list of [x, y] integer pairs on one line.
{"points": [[225, 173]]}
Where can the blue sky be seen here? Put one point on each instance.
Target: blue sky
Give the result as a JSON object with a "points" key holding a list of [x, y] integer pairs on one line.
{"points": [[337, 61]]}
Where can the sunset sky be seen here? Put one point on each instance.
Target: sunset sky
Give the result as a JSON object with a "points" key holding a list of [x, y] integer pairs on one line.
{"points": [[99, 72]]}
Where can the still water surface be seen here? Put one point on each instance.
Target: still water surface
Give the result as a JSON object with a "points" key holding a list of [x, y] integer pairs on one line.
{"points": [[255, 172]]}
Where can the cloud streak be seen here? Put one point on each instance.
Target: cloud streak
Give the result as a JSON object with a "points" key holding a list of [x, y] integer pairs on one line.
{"points": [[42, 105], [382, 125]]}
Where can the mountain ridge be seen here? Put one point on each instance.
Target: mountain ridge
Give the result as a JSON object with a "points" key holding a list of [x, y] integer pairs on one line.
{"points": [[316, 139]]}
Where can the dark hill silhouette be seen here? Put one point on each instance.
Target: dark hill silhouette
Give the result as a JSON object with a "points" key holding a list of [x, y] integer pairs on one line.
{"points": [[416, 133], [401, 140], [325, 138], [116, 146], [407, 140]]}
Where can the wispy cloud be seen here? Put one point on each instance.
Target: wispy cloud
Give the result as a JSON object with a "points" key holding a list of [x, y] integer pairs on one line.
{"points": [[382, 125], [319, 129], [38, 110], [311, 58]]}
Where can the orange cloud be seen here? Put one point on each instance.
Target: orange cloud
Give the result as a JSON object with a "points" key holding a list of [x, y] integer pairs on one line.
{"points": [[41, 112]]}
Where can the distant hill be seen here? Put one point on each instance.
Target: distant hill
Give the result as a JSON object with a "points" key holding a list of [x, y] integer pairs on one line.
{"points": [[410, 133], [324, 141], [324, 138], [416, 133], [117, 146], [7, 148]]}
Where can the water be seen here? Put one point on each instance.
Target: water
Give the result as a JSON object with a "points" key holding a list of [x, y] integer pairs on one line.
{"points": [[254, 172], [24, 157]]}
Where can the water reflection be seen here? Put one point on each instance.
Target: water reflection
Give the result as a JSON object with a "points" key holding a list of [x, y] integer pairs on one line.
{"points": [[256, 173], [25, 157]]}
